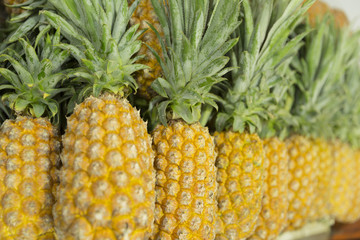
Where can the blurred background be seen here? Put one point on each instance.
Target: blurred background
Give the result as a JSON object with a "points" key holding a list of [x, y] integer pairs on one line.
{"points": [[351, 8]]}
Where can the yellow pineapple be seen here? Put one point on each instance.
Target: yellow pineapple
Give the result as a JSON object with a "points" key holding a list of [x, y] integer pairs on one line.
{"points": [[343, 182], [304, 172], [344, 196], [320, 209], [106, 188], [185, 153], [107, 182], [354, 213], [240, 180], [250, 110], [185, 181], [145, 15], [316, 102], [29, 144], [274, 210]]}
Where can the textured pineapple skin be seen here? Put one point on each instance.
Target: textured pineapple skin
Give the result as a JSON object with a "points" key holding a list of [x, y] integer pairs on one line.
{"points": [[14, 11], [240, 180], [344, 180], [354, 213], [185, 182], [143, 15], [321, 204], [29, 156], [304, 172], [107, 184], [273, 216]]}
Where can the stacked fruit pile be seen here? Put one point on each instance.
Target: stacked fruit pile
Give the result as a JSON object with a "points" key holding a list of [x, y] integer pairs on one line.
{"points": [[249, 123]]}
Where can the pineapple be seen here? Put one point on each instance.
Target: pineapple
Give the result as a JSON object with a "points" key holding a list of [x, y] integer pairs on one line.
{"points": [[273, 215], [317, 11], [249, 103], [29, 144], [185, 152], [343, 186], [144, 15], [319, 66], [341, 19], [107, 182], [345, 176]]}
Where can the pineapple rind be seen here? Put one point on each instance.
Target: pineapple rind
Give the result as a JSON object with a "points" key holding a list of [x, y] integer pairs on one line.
{"points": [[29, 152], [273, 217], [107, 178], [354, 213], [185, 182], [321, 204], [344, 180], [143, 15], [304, 171], [240, 180]]}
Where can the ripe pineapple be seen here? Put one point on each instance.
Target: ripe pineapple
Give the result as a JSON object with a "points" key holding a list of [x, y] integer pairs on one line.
{"points": [[354, 213], [345, 176], [317, 11], [185, 153], [315, 106], [273, 216], [107, 180], [320, 209], [304, 172], [29, 144], [248, 105], [240, 180], [144, 15], [341, 19], [344, 181]]}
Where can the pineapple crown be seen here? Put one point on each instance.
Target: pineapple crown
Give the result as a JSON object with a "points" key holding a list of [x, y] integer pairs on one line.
{"points": [[320, 69], [346, 122], [196, 38], [100, 41], [255, 98], [31, 81], [22, 24]]}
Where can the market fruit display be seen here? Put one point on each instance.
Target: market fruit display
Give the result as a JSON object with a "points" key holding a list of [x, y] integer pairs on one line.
{"points": [[30, 144], [248, 128], [107, 180], [186, 189], [146, 17]]}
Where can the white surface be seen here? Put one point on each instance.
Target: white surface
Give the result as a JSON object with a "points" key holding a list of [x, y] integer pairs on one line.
{"points": [[350, 7]]}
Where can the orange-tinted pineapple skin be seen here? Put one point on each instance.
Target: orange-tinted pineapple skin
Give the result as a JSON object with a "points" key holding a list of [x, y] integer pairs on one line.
{"points": [[185, 182], [29, 156], [317, 11], [107, 180], [240, 180], [341, 19], [143, 15], [11, 10], [304, 172], [273, 216], [344, 181]]}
